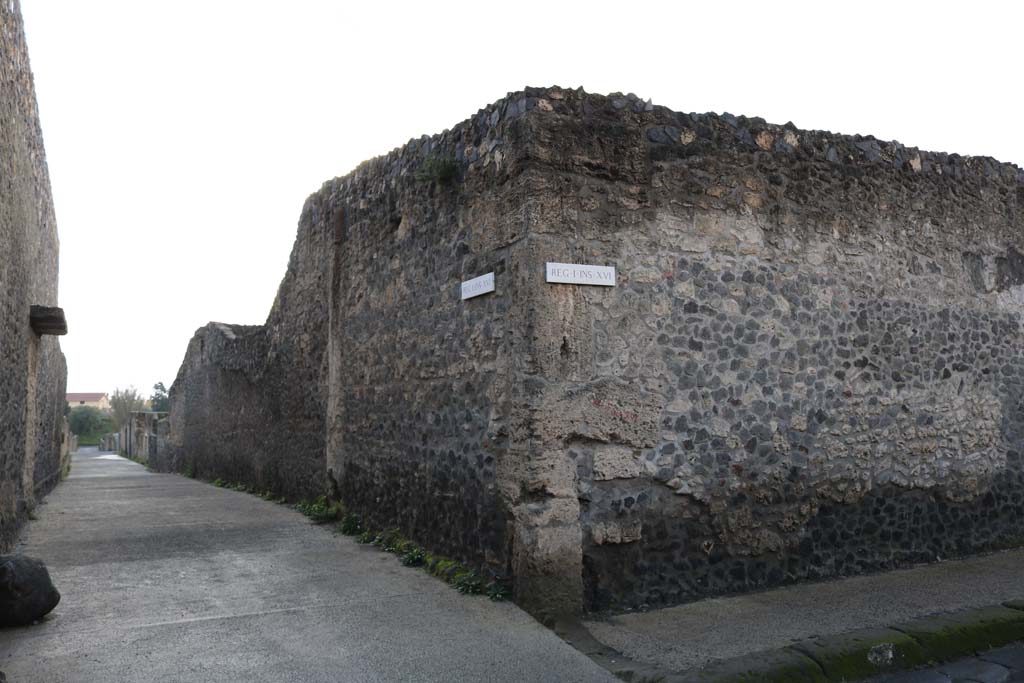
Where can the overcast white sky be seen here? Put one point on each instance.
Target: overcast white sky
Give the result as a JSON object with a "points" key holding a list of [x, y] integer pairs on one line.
{"points": [[182, 137]]}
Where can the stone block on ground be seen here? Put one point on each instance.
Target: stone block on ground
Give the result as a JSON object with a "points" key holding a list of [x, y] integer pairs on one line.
{"points": [[773, 666], [863, 653], [920, 676], [974, 669], [1010, 656], [946, 636], [26, 592]]}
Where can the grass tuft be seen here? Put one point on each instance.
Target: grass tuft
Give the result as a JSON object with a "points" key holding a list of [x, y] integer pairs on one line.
{"points": [[462, 578], [413, 557], [351, 525], [320, 510]]}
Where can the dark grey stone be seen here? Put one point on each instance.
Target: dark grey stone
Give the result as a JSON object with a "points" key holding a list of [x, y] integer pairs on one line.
{"points": [[26, 592], [1010, 656], [975, 669], [921, 676], [775, 666]]}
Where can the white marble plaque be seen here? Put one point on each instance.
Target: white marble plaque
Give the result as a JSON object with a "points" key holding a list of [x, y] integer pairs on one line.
{"points": [[579, 274], [477, 286]]}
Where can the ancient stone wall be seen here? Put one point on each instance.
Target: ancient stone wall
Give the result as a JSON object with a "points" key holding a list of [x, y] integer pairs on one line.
{"points": [[247, 405], [32, 368], [806, 368], [144, 438], [420, 397]]}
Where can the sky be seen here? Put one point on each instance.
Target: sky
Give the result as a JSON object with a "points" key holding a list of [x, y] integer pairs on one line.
{"points": [[183, 137]]}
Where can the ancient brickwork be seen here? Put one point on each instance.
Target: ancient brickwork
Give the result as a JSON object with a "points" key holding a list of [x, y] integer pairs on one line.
{"points": [[806, 368], [32, 368]]}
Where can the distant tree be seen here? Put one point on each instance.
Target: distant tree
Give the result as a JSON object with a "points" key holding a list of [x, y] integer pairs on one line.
{"points": [[159, 402], [124, 402], [86, 420]]}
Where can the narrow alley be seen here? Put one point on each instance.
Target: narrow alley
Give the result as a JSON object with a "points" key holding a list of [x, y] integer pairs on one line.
{"points": [[166, 579]]}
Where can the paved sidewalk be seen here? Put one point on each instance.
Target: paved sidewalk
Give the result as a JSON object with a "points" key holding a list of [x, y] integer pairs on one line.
{"points": [[694, 635], [168, 579], [1002, 665]]}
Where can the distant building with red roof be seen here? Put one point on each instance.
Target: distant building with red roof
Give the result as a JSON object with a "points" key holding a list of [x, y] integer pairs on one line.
{"points": [[100, 401]]}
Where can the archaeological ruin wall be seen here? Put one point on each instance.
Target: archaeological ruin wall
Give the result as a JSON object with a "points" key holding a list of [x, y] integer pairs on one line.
{"points": [[817, 337], [420, 397], [142, 438], [247, 405], [807, 365], [32, 368]]}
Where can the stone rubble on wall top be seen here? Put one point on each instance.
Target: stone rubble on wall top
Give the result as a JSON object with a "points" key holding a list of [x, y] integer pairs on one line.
{"points": [[467, 141]]}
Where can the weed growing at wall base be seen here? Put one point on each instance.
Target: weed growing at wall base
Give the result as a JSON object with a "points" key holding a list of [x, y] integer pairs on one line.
{"points": [[136, 459], [413, 557], [460, 577], [320, 510], [351, 525]]}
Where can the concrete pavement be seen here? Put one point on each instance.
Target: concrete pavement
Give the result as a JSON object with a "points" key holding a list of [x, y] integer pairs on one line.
{"points": [[1001, 665], [168, 579], [693, 636]]}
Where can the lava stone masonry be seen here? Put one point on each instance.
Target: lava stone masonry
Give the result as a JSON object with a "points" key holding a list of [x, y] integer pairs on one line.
{"points": [[808, 366], [33, 373]]}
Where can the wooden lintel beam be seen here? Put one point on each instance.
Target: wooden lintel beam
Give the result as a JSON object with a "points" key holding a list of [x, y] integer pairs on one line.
{"points": [[47, 320]]}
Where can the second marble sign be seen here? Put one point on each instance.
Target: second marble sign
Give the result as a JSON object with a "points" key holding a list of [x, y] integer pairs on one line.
{"points": [[580, 274]]}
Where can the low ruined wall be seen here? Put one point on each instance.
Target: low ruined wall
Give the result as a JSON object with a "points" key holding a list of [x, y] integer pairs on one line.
{"points": [[144, 438], [32, 368], [248, 403]]}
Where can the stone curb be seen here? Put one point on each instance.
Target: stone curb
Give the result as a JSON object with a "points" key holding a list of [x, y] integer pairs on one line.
{"points": [[831, 659]]}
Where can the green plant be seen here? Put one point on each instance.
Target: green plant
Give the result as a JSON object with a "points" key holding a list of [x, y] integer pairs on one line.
{"points": [[468, 582], [123, 402], [441, 567], [159, 401], [388, 540], [437, 169], [321, 510], [498, 591], [89, 425], [351, 524], [413, 556]]}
